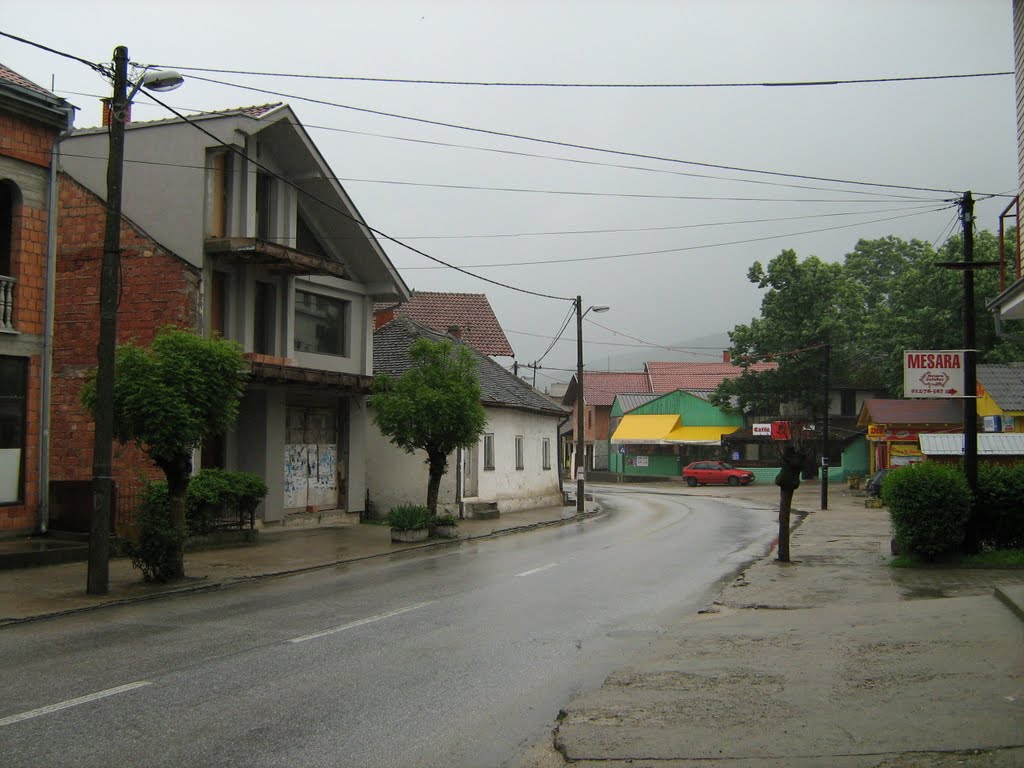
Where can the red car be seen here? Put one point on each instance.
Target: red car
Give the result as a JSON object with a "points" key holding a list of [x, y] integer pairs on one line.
{"points": [[715, 472]]}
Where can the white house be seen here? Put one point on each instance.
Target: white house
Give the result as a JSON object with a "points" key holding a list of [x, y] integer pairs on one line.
{"points": [[275, 256], [513, 467]]}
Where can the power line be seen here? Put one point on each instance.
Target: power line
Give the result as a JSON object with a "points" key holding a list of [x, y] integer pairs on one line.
{"points": [[346, 214], [693, 247], [572, 145], [103, 70], [576, 161], [506, 84]]}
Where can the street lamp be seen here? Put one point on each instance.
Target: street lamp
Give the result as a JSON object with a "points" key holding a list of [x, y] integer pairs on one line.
{"points": [[98, 578], [581, 457]]}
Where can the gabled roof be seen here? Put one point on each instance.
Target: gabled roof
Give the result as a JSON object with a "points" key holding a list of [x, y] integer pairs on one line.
{"points": [[500, 388], [1004, 384], [22, 96], [601, 387], [910, 412], [668, 377], [256, 111], [471, 313]]}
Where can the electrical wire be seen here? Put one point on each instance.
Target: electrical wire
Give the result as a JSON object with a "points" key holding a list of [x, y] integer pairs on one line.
{"points": [[572, 145], [692, 247], [346, 214], [500, 84], [565, 324], [577, 161], [103, 70]]}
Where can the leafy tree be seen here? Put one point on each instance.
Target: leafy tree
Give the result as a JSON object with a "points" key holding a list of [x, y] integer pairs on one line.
{"points": [[171, 396], [806, 304], [433, 407]]}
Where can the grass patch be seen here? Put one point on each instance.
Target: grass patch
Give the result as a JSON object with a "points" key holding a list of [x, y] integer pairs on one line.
{"points": [[996, 558]]}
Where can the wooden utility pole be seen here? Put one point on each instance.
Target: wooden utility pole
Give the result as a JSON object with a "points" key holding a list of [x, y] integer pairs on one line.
{"points": [[824, 431], [970, 366], [98, 577]]}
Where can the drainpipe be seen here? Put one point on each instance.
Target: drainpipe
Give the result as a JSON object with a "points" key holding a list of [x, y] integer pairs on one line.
{"points": [[458, 484], [48, 315]]}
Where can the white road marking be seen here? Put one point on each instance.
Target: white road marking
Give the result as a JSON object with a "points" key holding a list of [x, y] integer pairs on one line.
{"points": [[73, 702], [538, 570], [361, 622]]}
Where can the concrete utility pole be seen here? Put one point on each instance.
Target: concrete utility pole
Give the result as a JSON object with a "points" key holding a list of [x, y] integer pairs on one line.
{"points": [[824, 431], [580, 444], [98, 578]]}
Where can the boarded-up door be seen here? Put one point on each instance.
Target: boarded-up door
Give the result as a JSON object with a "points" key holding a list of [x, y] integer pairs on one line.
{"points": [[311, 458]]}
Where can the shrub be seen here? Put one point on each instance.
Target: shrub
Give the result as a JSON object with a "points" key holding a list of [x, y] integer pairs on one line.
{"points": [[408, 517], [157, 551], [929, 505], [214, 494], [999, 514], [448, 519]]}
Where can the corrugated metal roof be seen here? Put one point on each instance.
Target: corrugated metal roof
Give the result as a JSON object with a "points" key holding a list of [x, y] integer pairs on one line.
{"points": [[1004, 384], [989, 444], [631, 400]]}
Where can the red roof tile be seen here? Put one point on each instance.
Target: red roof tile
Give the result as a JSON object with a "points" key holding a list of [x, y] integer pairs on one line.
{"points": [[600, 388], [668, 377], [471, 313], [10, 76], [910, 412]]}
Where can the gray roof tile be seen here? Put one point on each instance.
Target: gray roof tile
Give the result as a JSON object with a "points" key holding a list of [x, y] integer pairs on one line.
{"points": [[500, 387], [1005, 384]]}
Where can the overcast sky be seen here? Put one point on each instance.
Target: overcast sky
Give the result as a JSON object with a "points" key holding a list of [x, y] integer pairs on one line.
{"points": [[947, 134]]}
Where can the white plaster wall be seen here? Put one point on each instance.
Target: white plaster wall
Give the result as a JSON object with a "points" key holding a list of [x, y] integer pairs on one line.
{"points": [[395, 477], [532, 486]]}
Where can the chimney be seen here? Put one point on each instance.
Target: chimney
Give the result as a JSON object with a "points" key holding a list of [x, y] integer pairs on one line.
{"points": [[383, 317], [455, 331], [107, 110], [726, 357]]}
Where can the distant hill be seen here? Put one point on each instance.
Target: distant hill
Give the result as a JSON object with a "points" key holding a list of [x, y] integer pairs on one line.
{"points": [[702, 349]]}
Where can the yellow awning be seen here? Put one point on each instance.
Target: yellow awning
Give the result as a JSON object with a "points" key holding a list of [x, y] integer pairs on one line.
{"points": [[645, 429], [699, 435]]}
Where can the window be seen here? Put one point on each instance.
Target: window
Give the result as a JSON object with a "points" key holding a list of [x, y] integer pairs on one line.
{"points": [[306, 240], [220, 194], [8, 198], [590, 419], [545, 447], [519, 451], [264, 207], [219, 304], [848, 402], [264, 319], [13, 377], [488, 451], [321, 324]]}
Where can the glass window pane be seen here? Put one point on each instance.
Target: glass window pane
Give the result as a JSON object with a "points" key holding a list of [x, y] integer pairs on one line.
{"points": [[320, 324]]}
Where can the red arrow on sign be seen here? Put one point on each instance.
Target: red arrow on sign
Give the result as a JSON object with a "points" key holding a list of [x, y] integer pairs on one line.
{"points": [[950, 391]]}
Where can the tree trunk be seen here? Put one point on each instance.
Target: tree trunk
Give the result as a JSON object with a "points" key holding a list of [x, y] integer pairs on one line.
{"points": [[177, 471], [438, 466], [788, 481]]}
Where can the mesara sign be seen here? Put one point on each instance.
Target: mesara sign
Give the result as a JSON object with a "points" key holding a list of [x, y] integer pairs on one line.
{"points": [[933, 373]]}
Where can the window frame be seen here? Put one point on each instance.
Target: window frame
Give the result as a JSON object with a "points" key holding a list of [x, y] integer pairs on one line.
{"points": [[344, 323], [488, 441], [20, 400], [520, 453], [545, 453]]}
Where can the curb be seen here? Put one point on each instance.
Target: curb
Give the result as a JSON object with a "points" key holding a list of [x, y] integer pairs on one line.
{"points": [[1013, 598], [239, 580]]}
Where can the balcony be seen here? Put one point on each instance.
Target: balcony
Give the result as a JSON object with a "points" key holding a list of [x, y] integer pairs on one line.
{"points": [[272, 256], [7, 304]]}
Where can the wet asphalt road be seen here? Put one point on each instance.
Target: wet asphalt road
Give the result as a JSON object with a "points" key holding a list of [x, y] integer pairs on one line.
{"points": [[459, 657]]}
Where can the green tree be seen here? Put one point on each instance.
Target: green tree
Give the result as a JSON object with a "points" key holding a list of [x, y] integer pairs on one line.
{"points": [[806, 305], [433, 407], [171, 396]]}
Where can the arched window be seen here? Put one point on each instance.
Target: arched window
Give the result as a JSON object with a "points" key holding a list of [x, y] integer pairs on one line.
{"points": [[9, 199]]}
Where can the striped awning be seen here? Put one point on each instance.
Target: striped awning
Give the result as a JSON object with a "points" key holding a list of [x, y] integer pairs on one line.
{"points": [[989, 444]]}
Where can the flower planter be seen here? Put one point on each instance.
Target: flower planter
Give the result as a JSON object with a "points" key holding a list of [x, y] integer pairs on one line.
{"points": [[445, 531], [409, 536]]}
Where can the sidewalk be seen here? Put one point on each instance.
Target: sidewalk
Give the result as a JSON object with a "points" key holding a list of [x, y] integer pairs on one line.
{"points": [[36, 592], [836, 660]]}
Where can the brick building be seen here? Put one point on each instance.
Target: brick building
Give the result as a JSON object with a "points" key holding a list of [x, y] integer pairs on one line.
{"points": [[31, 119]]}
